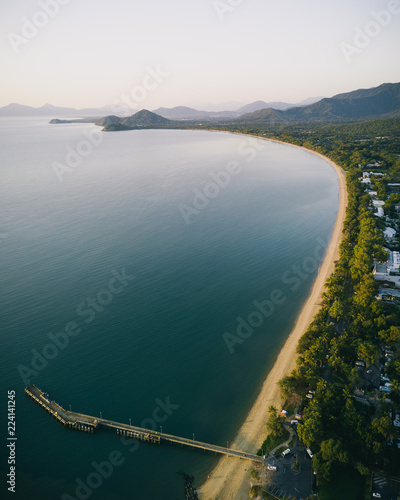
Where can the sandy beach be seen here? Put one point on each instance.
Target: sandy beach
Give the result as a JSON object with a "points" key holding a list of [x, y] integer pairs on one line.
{"points": [[230, 478]]}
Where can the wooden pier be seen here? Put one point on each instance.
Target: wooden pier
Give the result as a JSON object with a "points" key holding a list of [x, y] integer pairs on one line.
{"points": [[91, 424]]}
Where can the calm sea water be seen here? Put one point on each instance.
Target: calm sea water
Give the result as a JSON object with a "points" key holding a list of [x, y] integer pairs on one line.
{"points": [[133, 205]]}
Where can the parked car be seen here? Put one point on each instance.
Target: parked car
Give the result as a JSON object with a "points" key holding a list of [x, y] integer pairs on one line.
{"points": [[286, 452], [271, 467]]}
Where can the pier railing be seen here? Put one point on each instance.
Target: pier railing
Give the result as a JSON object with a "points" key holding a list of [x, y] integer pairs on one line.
{"points": [[88, 423]]}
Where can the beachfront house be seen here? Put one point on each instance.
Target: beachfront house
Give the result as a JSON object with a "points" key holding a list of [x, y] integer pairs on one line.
{"points": [[389, 233], [389, 271]]}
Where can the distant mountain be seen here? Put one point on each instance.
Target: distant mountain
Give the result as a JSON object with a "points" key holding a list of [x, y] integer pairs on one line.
{"points": [[216, 108], [16, 110], [270, 115], [257, 105], [19, 110], [143, 118], [182, 113], [308, 101], [185, 113], [176, 113], [363, 104]]}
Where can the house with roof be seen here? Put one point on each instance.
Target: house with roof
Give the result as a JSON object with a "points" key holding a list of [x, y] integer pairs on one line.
{"points": [[389, 233]]}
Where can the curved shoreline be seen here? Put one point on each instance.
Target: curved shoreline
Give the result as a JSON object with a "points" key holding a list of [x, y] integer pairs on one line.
{"points": [[230, 477]]}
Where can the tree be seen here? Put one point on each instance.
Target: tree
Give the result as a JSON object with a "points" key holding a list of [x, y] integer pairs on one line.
{"points": [[254, 474], [288, 386], [384, 427], [392, 334], [362, 469], [331, 454], [368, 351], [337, 309], [255, 491], [311, 430], [275, 423], [333, 450]]}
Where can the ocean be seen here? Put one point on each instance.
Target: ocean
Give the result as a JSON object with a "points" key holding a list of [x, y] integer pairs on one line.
{"points": [[149, 276]]}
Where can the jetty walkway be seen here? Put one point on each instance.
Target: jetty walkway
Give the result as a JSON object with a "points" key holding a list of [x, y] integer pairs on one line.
{"points": [[87, 423]]}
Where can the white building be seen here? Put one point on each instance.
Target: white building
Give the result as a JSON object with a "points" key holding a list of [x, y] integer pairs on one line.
{"points": [[390, 270], [389, 233], [380, 212], [389, 294], [394, 262]]}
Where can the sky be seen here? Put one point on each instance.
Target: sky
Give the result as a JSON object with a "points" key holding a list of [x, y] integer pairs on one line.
{"points": [[151, 53]]}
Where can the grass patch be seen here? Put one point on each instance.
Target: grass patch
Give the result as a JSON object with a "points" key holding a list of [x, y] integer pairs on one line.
{"points": [[347, 484], [272, 442]]}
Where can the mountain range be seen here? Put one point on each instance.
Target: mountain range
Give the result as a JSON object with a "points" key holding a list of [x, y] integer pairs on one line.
{"points": [[20, 110], [363, 104], [176, 113], [186, 113]]}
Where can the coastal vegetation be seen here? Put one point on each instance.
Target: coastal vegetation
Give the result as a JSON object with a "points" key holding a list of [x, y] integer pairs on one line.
{"points": [[352, 324], [277, 432], [349, 436]]}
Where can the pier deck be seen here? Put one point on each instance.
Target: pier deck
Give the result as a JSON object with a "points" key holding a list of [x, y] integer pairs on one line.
{"points": [[88, 423]]}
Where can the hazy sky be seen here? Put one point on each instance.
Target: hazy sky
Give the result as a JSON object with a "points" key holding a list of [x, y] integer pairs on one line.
{"points": [[94, 52]]}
